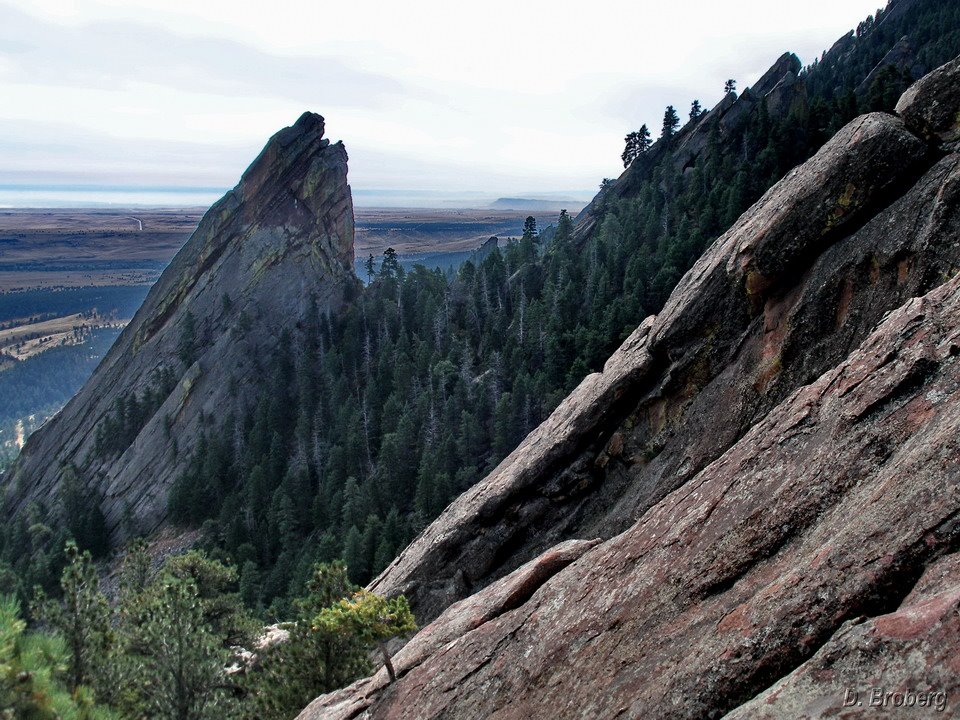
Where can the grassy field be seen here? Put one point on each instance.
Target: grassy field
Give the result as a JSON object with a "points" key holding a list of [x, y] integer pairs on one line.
{"points": [[24, 341], [82, 248], [45, 249], [415, 232]]}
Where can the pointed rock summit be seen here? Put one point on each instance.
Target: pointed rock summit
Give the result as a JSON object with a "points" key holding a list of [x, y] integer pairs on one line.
{"points": [[278, 244]]}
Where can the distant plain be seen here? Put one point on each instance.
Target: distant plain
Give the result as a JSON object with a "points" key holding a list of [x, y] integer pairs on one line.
{"points": [[70, 279], [47, 248]]}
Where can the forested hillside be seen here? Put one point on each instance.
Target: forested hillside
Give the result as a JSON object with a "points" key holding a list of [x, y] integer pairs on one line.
{"points": [[315, 453], [369, 421], [368, 424]]}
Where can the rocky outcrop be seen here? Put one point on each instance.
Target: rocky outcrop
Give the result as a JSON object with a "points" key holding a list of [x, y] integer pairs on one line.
{"points": [[751, 567], [920, 646], [900, 57], [457, 622], [803, 269], [786, 64], [771, 463], [779, 88], [929, 106], [277, 243]]}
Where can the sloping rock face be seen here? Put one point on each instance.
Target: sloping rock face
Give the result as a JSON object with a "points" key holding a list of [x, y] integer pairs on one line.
{"points": [[771, 463], [930, 104], [779, 88], [281, 240], [920, 644]]}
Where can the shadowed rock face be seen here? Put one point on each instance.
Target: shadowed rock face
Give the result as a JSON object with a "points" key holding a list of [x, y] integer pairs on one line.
{"points": [[768, 462], [281, 239], [929, 106]]}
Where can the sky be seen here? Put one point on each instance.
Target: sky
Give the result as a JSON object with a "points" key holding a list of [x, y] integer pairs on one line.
{"points": [[437, 102]]}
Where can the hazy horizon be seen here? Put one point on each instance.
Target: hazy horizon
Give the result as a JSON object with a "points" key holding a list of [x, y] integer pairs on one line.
{"points": [[38, 196], [437, 104]]}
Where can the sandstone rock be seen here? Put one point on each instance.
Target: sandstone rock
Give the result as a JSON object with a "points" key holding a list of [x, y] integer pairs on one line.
{"points": [[919, 674], [749, 478], [721, 361], [929, 107], [788, 95], [245, 661], [786, 64], [900, 57], [739, 111], [282, 236], [792, 223], [748, 570], [731, 112]]}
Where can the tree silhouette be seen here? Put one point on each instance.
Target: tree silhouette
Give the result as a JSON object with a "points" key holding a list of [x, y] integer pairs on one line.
{"points": [[671, 121], [636, 144]]}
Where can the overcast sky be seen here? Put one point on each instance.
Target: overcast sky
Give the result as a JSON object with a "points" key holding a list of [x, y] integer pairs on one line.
{"points": [[496, 97]]}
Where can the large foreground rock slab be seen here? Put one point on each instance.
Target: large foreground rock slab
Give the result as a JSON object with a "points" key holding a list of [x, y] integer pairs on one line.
{"points": [[772, 463], [904, 663], [828, 509], [785, 295]]}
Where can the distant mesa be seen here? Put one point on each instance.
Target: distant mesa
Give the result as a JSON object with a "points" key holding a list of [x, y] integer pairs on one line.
{"points": [[537, 205]]}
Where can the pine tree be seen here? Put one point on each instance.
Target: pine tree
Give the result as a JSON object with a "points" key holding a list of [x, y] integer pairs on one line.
{"points": [[187, 346], [390, 267], [82, 618], [636, 144], [178, 671], [730, 86], [309, 663], [250, 584], [353, 555], [30, 665], [695, 110], [530, 228], [369, 618], [671, 122], [370, 268]]}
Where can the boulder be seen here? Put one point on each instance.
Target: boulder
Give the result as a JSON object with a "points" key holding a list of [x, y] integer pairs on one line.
{"points": [[931, 106]]}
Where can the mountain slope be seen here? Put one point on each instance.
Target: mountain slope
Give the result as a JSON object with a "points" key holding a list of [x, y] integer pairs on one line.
{"points": [[426, 382], [770, 457], [278, 243]]}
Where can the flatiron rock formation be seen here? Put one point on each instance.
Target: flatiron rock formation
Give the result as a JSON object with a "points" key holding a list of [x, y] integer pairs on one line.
{"points": [[280, 241]]}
